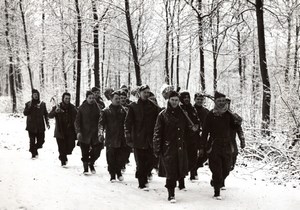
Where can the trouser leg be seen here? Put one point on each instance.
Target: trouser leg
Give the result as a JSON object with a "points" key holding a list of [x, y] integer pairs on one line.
{"points": [[95, 153], [32, 143], [61, 149], [40, 139]]}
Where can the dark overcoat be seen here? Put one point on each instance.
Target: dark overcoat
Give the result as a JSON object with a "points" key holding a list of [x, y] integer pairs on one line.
{"points": [[86, 123], [112, 121], [139, 124], [64, 124], [37, 115], [169, 143]]}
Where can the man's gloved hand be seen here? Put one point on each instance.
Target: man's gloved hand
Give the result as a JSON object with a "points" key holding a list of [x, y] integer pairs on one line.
{"points": [[48, 126]]}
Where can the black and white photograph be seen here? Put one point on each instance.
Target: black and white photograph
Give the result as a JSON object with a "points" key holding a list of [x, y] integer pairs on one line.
{"points": [[150, 104]]}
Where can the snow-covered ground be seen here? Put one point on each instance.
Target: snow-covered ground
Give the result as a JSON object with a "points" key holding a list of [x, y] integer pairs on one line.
{"points": [[44, 184]]}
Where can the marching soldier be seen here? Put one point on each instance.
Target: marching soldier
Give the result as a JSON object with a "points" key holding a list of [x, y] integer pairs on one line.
{"points": [[139, 127], [86, 125], [193, 140], [37, 115], [169, 144], [65, 115], [127, 149], [218, 125], [112, 121], [201, 114]]}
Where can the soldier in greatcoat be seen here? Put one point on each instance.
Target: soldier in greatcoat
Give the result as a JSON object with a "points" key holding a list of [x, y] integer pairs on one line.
{"points": [[193, 140], [139, 128], [170, 144], [112, 122], [65, 115], [86, 125], [218, 126], [37, 116]]}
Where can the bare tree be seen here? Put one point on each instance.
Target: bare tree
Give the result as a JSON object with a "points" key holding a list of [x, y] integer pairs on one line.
{"points": [[42, 74], [26, 43], [132, 44], [266, 101], [96, 44], [78, 80], [10, 56]]}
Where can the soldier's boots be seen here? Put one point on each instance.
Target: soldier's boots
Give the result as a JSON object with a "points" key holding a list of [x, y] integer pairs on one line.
{"points": [[217, 195], [171, 195], [120, 177], [92, 168], [112, 178], [181, 184], [85, 168]]}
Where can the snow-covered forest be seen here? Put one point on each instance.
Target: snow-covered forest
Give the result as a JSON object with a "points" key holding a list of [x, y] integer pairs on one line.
{"points": [[246, 49]]}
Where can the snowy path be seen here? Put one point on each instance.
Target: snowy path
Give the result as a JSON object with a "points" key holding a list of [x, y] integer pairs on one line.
{"points": [[43, 184]]}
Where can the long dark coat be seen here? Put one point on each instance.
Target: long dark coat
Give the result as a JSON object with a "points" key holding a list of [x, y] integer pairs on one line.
{"points": [[202, 113], [139, 123], [86, 123], [112, 121], [169, 143], [37, 115], [64, 124]]}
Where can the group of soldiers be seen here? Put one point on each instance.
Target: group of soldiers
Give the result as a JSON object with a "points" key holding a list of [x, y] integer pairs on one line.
{"points": [[175, 140]]}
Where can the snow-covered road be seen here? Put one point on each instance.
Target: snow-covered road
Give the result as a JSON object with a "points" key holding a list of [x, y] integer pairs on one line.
{"points": [[44, 184]]}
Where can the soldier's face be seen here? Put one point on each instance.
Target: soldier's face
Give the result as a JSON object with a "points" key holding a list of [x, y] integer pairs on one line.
{"points": [[115, 100], [123, 100], [174, 101], [186, 99], [145, 94], [90, 99], [221, 102], [96, 94], [67, 99], [199, 101], [35, 96]]}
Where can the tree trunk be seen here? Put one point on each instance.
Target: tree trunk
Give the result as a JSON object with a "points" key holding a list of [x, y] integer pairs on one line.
{"points": [[19, 86], [89, 70], [172, 57], [296, 46], [10, 56], [96, 45], [190, 65], [167, 76], [288, 51], [42, 80], [74, 63], [263, 68], [26, 44], [201, 47], [240, 65], [132, 44], [78, 54], [129, 67], [63, 52], [215, 45], [178, 45], [103, 56]]}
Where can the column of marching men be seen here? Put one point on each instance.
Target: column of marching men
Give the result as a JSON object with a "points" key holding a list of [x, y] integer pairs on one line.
{"points": [[175, 140]]}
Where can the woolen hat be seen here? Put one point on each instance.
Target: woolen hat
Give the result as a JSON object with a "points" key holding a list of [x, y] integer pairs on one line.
{"points": [[173, 93], [219, 95]]}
